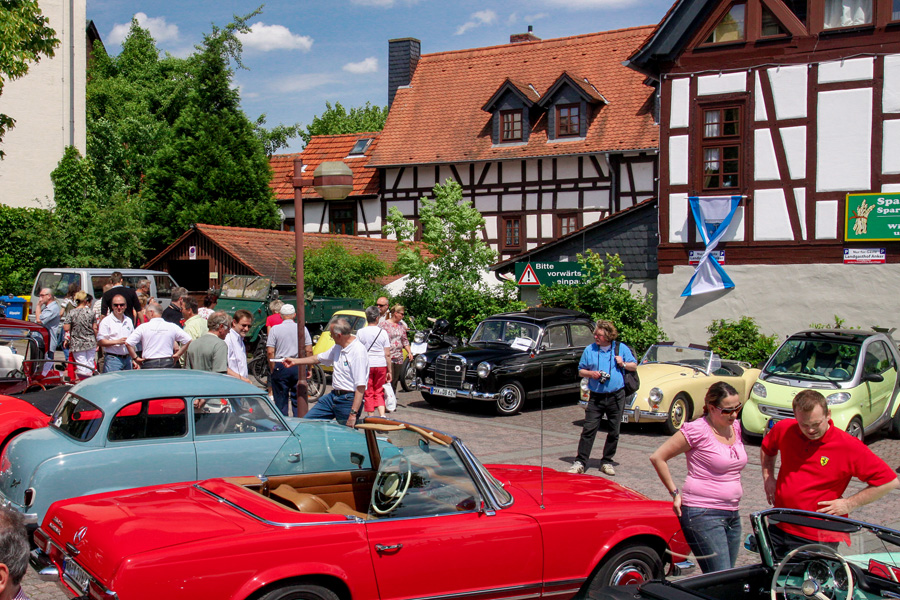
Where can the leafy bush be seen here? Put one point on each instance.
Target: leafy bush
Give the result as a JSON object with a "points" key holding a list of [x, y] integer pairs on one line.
{"points": [[448, 283], [839, 323], [603, 295], [333, 271], [741, 340], [29, 241]]}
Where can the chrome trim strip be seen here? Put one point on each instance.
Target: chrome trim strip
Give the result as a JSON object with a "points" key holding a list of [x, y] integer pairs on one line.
{"points": [[645, 415], [491, 593], [470, 395], [273, 523], [486, 489]]}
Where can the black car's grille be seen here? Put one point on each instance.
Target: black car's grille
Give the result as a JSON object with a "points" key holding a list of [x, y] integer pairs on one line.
{"points": [[449, 371]]}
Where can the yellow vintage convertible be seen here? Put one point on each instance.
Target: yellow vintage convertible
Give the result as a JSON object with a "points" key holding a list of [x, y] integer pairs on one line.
{"points": [[674, 380]]}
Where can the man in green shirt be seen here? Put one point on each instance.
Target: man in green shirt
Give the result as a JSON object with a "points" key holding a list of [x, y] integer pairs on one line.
{"points": [[194, 324], [209, 352]]}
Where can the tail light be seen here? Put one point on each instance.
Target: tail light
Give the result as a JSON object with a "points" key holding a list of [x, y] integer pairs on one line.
{"points": [[29, 497], [41, 540]]}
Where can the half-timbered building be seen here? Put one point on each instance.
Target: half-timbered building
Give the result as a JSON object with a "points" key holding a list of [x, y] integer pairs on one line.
{"points": [[792, 104], [544, 137]]}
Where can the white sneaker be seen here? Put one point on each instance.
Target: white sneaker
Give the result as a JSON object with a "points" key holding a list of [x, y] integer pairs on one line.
{"points": [[607, 469], [577, 467]]}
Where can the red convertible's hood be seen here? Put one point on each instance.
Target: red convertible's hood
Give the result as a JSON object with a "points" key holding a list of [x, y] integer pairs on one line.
{"points": [[563, 489], [112, 527]]}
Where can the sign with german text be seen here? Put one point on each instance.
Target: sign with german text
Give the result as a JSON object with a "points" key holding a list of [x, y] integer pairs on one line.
{"points": [[864, 256], [872, 217], [695, 256], [548, 273]]}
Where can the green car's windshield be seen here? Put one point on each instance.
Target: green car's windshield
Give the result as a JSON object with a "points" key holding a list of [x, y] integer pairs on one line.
{"points": [[815, 359], [869, 550], [249, 287]]}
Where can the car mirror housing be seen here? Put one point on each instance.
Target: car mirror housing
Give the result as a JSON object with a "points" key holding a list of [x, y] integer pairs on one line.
{"points": [[873, 377]]}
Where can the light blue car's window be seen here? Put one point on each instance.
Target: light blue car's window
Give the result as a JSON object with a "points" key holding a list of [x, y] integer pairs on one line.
{"points": [[149, 419], [77, 418], [235, 416]]}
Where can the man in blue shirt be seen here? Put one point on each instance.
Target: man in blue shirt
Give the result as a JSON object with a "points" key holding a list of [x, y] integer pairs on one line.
{"points": [[605, 369], [48, 315]]}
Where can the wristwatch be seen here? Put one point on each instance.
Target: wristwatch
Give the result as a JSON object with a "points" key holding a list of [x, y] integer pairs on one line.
{"points": [[674, 493]]}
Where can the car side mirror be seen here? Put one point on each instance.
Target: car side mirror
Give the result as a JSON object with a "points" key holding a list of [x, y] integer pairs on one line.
{"points": [[873, 377], [357, 459]]}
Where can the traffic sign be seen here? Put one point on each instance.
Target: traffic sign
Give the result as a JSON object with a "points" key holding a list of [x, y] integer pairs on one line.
{"points": [[548, 273], [528, 277]]}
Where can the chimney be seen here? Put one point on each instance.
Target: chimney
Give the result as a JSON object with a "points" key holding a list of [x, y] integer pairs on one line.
{"points": [[518, 38], [403, 57]]}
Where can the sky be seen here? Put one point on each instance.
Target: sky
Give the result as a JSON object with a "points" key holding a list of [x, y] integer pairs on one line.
{"points": [[303, 53]]}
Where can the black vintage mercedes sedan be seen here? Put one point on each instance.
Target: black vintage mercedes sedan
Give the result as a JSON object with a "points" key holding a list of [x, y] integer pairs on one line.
{"points": [[511, 357]]}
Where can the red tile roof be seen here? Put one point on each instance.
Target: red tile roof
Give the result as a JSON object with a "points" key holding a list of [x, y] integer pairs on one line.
{"points": [[268, 252], [438, 118], [323, 148]]}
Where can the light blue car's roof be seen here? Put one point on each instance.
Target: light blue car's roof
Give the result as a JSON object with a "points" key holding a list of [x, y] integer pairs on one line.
{"points": [[114, 389]]}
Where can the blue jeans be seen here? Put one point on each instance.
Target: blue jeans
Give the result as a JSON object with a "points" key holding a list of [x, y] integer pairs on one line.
{"points": [[116, 362], [714, 536], [333, 406], [284, 386]]}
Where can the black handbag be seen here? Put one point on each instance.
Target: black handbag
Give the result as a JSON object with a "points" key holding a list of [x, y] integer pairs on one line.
{"points": [[632, 381]]}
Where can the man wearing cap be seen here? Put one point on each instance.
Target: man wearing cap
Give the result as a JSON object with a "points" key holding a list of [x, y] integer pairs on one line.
{"points": [[281, 344]]}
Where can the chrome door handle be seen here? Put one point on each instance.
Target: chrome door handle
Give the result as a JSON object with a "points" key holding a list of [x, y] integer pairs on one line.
{"points": [[382, 548], [294, 457]]}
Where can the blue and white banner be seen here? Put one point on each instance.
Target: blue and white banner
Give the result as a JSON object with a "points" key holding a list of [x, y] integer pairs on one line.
{"points": [[713, 215]]}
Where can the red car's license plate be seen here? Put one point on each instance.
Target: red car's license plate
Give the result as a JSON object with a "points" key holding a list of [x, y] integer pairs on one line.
{"points": [[77, 575]]}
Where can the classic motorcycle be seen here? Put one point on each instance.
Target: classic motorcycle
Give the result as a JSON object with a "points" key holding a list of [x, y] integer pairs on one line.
{"points": [[436, 337]]}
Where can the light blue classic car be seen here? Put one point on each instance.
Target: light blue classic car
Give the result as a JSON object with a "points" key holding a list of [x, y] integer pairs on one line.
{"points": [[137, 428]]}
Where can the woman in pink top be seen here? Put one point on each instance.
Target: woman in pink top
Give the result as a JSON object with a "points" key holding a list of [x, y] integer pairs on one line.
{"points": [[707, 506]]}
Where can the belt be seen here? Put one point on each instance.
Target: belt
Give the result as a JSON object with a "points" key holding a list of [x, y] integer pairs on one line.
{"points": [[341, 392]]}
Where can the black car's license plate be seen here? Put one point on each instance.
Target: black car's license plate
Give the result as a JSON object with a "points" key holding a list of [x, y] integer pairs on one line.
{"points": [[439, 391], [77, 575]]}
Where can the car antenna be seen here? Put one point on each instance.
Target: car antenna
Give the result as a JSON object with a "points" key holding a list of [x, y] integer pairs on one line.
{"points": [[542, 436]]}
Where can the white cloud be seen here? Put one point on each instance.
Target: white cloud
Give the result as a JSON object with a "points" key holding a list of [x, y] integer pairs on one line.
{"points": [[274, 37], [591, 4], [304, 82], [157, 26], [482, 17], [368, 65], [383, 3], [512, 19], [533, 18]]}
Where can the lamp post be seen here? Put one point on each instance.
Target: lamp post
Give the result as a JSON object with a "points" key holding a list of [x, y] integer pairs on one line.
{"points": [[332, 181]]}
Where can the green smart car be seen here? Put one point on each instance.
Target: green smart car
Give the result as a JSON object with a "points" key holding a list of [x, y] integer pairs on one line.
{"points": [[856, 371]]}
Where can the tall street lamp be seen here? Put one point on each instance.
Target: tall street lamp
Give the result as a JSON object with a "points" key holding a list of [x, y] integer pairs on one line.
{"points": [[332, 180]]}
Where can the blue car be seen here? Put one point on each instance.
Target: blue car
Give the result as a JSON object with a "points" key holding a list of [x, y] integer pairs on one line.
{"points": [[138, 428]]}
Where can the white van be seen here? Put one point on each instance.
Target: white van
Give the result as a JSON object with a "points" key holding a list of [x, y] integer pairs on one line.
{"points": [[92, 280]]}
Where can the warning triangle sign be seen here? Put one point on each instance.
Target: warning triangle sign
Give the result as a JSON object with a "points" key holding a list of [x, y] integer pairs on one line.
{"points": [[528, 277]]}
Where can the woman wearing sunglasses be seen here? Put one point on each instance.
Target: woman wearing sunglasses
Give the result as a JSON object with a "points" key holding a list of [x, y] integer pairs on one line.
{"points": [[707, 505]]}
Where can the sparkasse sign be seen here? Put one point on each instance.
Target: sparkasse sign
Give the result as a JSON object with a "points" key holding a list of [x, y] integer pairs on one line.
{"points": [[548, 273], [872, 217]]}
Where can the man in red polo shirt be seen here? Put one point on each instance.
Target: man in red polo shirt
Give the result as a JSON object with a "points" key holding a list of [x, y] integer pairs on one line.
{"points": [[817, 462]]}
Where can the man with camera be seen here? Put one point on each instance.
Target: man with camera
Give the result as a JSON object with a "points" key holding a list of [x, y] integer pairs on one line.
{"points": [[604, 364]]}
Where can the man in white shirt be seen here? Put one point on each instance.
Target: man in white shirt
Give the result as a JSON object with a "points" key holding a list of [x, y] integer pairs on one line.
{"points": [[112, 335], [351, 372], [237, 352], [157, 337], [383, 314], [282, 343]]}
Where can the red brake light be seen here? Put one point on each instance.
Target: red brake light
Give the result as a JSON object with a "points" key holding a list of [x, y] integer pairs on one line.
{"points": [[41, 540]]}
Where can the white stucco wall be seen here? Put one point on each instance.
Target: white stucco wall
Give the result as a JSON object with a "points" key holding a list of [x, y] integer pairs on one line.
{"points": [[782, 298], [48, 106]]}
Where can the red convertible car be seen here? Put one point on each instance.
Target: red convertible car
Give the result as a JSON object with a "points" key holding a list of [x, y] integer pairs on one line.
{"points": [[418, 516]]}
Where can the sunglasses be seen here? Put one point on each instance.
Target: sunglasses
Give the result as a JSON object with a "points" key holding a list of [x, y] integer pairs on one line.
{"points": [[120, 305], [730, 411], [381, 305]]}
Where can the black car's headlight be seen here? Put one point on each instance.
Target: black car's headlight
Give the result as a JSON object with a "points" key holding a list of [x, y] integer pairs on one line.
{"points": [[419, 337], [421, 362], [484, 369]]}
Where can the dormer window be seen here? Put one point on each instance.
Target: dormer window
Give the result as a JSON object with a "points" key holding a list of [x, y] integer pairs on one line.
{"points": [[568, 120], [360, 147], [511, 126], [730, 28]]}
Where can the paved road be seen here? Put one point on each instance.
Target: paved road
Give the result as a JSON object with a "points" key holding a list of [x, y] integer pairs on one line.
{"points": [[550, 437]]}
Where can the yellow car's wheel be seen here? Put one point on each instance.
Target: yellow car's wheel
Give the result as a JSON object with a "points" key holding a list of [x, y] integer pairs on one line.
{"points": [[680, 412]]}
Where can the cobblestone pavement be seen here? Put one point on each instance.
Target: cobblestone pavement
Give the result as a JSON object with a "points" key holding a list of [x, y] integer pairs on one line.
{"points": [[550, 437]]}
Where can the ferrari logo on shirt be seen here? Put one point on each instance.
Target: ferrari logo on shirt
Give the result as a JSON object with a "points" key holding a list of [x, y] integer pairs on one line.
{"points": [[823, 460]]}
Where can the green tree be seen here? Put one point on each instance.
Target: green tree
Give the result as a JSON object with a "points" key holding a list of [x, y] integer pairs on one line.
{"points": [[24, 38], [26, 248], [214, 168], [603, 295], [96, 230], [277, 137], [337, 120], [332, 271], [446, 280]]}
